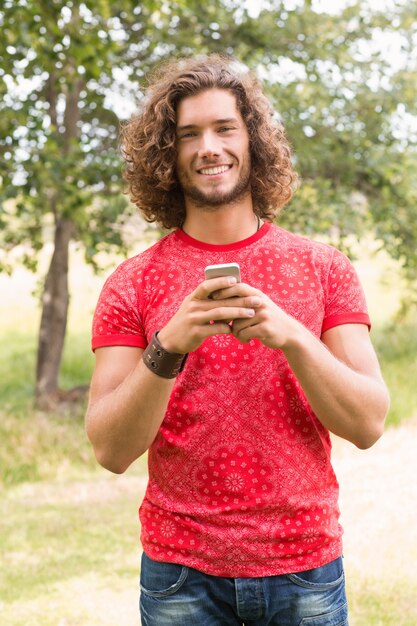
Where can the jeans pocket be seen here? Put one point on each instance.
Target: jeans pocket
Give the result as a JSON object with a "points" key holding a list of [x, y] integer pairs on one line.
{"points": [[338, 617], [321, 578], [160, 580]]}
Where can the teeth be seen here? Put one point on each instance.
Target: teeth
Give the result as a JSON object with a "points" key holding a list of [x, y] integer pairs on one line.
{"points": [[215, 170]]}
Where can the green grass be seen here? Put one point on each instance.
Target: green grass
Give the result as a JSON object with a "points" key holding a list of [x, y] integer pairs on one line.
{"points": [[17, 370], [63, 542], [35, 445], [95, 538], [380, 602], [396, 346], [18, 363], [78, 360], [39, 447]]}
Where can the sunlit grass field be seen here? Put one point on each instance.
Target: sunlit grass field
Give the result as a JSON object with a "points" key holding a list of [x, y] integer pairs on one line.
{"points": [[68, 529]]}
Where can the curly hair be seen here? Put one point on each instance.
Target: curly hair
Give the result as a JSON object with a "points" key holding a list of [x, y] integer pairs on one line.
{"points": [[148, 139]]}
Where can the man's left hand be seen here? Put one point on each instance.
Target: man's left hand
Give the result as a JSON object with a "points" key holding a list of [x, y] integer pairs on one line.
{"points": [[270, 324]]}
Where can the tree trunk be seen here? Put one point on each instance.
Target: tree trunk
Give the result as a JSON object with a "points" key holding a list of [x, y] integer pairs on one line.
{"points": [[55, 301]]}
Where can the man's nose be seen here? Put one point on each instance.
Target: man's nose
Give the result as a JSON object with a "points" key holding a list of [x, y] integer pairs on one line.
{"points": [[210, 145]]}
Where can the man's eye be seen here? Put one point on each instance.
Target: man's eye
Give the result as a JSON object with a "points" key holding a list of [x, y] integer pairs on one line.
{"points": [[225, 129], [187, 135]]}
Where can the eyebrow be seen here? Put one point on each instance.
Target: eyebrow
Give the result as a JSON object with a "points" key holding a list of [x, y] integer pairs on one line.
{"points": [[228, 120]]}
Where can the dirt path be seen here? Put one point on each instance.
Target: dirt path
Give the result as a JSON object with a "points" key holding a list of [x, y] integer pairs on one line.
{"points": [[378, 500]]}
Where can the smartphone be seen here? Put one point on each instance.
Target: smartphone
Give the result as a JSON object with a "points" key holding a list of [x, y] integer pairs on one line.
{"points": [[224, 269]]}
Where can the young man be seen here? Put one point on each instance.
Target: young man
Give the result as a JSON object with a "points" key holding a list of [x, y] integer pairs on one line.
{"points": [[233, 387]]}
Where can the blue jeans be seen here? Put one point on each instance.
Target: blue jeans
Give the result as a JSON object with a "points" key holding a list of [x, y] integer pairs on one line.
{"points": [[175, 595]]}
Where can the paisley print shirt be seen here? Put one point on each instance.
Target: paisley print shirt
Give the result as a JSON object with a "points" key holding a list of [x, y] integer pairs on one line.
{"points": [[240, 476]]}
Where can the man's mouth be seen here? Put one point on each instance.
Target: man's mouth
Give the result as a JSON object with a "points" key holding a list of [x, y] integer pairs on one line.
{"points": [[214, 169]]}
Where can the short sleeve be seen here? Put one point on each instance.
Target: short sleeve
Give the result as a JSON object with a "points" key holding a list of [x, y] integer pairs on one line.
{"points": [[345, 298], [117, 320]]}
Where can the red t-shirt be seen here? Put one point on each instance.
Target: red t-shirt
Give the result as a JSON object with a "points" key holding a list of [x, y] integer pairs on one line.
{"points": [[240, 478]]}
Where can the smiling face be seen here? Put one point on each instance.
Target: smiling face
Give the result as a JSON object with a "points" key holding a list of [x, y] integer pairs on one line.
{"points": [[213, 163]]}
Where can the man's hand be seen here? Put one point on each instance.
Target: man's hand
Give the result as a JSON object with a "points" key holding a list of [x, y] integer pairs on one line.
{"points": [[270, 324], [201, 316]]}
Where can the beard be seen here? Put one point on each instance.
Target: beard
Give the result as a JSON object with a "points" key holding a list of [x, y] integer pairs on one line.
{"points": [[212, 199]]}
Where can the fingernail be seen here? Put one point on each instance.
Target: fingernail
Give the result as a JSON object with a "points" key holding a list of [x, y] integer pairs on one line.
{"points": [[232, 280], [250, 312], [255, 301]]}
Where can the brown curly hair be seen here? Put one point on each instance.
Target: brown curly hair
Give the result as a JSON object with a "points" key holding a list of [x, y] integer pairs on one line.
{"points": [[148, 140]]}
